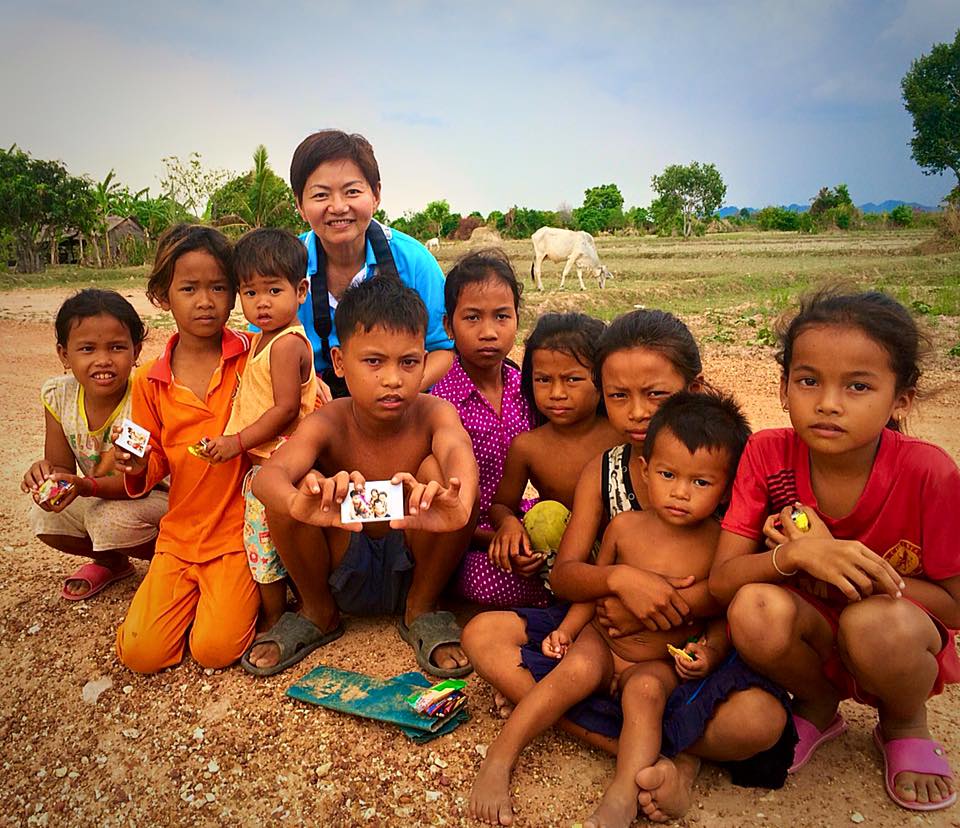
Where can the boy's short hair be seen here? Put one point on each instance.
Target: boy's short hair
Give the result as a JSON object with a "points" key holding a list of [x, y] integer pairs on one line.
{"points": [[332, 145], [712, 421], [270, 251], [179, 240], [384, 301]]}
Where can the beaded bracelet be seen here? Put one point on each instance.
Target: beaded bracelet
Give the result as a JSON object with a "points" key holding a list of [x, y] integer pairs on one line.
{"points": [[773, 559]]}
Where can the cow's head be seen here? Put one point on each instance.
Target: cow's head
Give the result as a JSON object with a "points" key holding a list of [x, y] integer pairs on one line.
{"points": [[603, 274]]}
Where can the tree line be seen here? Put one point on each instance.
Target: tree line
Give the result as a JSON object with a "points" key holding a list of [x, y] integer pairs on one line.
{"points": [[41, 202]]}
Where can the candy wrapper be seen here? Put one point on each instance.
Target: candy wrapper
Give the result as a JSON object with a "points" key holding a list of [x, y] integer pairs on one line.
{"points": [[443, 699], [201, 450], [800, 520], [53, 491], [676, 651], [133, 438]]}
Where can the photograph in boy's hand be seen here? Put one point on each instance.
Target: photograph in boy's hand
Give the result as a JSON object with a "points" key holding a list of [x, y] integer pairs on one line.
{"points": [[378, 500]]}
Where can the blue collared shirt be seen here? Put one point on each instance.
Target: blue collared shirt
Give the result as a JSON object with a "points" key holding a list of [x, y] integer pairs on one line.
{"points": [[417, 268]]}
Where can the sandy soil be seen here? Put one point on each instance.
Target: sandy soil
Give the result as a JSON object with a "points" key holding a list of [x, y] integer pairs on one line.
{"points": [[217, 747]]}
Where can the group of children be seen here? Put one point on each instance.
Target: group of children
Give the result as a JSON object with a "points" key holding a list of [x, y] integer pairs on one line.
{"points": [[680, 589]]}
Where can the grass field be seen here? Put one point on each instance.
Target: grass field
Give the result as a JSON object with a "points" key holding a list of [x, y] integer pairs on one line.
{"points": [[729, 287]]}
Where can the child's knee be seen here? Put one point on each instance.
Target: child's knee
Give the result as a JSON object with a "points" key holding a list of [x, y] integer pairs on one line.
{"points": [[143, 653], [882, 632], [754, 718], [219, 646], [762, 618], [644, 689]]}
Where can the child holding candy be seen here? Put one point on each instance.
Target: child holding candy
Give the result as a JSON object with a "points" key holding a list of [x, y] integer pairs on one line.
{"points": [[277, 390], [99, 336], [690, 454], [198, 579], [865, 603]]}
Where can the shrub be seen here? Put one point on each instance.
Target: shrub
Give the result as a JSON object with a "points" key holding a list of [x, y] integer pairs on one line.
{"points": [[902, 215]]}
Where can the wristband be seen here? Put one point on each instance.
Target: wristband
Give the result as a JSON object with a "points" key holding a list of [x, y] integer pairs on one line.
{"points": [[773, 560], [94, 487]]}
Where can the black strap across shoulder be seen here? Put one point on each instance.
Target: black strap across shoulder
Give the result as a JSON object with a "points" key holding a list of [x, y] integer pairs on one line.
{"points": [[386, 266]]}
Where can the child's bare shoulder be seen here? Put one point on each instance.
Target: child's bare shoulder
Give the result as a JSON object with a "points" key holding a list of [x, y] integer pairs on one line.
{"points": [[631, 521], [289, 346]]}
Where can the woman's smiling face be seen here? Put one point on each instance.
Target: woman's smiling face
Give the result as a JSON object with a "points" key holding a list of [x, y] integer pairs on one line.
{"points": [[338, 203]]}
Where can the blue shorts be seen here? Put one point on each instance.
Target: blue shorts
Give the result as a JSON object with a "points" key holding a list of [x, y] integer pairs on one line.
{"points": [[688, 710], [374, 576]]}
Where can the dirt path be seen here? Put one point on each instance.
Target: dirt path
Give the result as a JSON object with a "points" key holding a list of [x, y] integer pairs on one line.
{"points": [[216, 747]]}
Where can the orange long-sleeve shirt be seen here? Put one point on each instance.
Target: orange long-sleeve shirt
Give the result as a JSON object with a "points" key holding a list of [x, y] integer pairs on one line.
{"points": [[205, 518]]}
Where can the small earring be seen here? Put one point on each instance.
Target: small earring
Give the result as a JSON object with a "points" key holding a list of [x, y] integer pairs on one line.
{"points": [[785, 407]]}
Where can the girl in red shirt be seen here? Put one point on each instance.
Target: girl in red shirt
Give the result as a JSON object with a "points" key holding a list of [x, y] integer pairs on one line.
{"points": [[863, 602]]}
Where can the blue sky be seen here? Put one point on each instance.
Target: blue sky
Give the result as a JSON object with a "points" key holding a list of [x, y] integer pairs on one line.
{"points": [[520, 103]]}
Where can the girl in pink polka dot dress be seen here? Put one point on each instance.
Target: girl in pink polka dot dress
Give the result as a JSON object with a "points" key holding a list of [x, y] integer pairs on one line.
{"points": [[482, 298], [557, 379]]}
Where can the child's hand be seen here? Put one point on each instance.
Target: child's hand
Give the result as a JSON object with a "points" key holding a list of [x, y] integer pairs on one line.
{"points": [[35, 475], [78, 486], [318, 498], [510, 541], [222, 449], [432, 507], [125, 461], [556, 644], [780, 528], [706, 660], [528, 565]]}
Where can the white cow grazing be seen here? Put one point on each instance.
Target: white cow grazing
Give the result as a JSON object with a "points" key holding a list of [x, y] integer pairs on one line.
{"points": [[575, 247], [433, 244]]}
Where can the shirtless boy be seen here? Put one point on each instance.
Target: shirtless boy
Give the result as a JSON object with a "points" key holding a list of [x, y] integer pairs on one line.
{"points": [[690, 456], [385, 430]]}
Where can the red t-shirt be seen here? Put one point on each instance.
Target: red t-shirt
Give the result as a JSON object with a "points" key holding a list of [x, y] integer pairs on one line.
{"points": [[908, 513]]}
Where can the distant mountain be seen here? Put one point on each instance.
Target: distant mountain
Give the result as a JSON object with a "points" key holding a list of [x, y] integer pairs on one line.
{"points": [[869, 207]]}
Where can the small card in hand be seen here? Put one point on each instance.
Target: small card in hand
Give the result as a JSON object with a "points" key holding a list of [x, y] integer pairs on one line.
{"points": [[133, 438], [378, 500]]}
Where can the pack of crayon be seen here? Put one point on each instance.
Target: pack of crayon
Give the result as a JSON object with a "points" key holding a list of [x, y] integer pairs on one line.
{"points": [[201, 449], [441, 700]]}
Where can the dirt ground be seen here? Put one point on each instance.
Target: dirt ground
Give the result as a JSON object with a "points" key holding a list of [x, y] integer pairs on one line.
{"points": [[195, 747]]}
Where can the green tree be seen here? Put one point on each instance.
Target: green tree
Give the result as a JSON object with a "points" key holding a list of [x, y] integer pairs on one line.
{"points": [[828, 199], [931, 94], [902, 215], [694, 192], [602, 209], [189, 184], [437, 214], [259, 198], [639, 218], [38, 200]]}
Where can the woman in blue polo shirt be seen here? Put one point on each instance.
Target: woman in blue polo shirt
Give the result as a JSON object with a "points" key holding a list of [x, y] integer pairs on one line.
{"points": [[336, 182]]}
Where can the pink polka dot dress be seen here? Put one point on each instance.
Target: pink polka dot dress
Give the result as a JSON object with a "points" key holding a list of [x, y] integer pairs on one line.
{"points": [[478, 580]]}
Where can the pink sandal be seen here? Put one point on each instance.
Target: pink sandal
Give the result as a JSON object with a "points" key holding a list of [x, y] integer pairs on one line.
{"points": [[811, 738], [98, 577], [914, 756]]}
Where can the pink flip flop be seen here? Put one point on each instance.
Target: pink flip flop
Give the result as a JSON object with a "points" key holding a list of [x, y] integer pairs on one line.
{"points": [[97, 576], [811, 738], [915, 756]]}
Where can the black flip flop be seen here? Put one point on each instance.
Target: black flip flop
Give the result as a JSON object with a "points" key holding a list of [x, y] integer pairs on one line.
{"points": [[429, 631], [296, 637]]}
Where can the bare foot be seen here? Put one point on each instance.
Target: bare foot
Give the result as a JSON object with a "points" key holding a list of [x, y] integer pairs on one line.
{"points": [[617, 809], [490, 798], [926, 788], [665, 792], [503, 704]]}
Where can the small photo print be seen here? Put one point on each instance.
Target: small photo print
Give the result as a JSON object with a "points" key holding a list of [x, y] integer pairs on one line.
{"points": [[133, 438], [378, 500]]}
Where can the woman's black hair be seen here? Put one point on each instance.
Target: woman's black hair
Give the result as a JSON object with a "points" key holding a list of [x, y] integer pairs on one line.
{"points": [[574, 334], [883, 319], [94, 302], [655, 330], [478, 266]]}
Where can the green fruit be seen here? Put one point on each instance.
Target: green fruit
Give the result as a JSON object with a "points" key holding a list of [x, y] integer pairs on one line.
{"points": [[545, 524]]}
